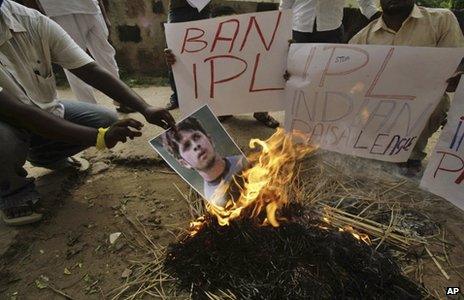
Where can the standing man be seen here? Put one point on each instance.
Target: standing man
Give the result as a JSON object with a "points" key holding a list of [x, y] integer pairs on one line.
{"points": [[182, 11], [405, 24], [38, 127], [320, 21], [88, 25]]}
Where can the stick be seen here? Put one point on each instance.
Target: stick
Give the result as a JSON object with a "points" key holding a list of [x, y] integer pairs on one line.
{"points": [[437, 263], [60, 292]]}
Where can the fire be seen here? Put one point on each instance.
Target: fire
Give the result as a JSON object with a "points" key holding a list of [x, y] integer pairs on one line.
{"points": [[349, 229], [267, 182]]}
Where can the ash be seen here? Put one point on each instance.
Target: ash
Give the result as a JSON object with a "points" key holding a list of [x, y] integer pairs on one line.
{"points": [[298, 260]]}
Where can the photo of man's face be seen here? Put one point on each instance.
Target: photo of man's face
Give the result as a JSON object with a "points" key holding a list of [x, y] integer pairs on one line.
{"points": [[196, 150], [203, 154]]}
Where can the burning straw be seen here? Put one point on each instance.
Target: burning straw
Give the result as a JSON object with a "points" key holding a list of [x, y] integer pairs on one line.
{"points": [[301, 259], [329, 245]]}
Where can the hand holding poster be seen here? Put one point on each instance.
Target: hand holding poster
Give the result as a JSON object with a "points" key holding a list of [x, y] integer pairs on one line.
{"points": [[235, 64], [368, 101], [444, 175]]}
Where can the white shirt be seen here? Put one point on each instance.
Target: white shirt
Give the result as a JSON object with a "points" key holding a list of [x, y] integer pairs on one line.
{"points": [[327, 13], [214, 190], [55, 8], [29, 43]]}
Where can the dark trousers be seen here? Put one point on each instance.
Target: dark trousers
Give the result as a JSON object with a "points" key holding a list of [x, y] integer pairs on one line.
{"points": [[19, 145], [330, 36], [184, 14]]}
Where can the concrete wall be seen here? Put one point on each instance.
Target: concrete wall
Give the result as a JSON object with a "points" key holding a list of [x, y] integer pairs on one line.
{"points": [[137, 31]]}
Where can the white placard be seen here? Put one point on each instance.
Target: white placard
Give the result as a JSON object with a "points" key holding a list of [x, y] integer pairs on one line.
{"points": [[364, 100], [235, 64], [444, 174]]}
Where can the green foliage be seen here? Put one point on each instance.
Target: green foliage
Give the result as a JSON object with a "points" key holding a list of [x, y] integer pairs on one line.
{"points": [[451, 4], [436, 3], [457, 4]]}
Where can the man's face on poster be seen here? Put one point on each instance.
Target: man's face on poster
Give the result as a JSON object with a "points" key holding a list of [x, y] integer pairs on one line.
{"points": [[196, 150]]}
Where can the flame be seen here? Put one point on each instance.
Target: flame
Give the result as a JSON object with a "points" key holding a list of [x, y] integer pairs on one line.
{"points": [[196, 225], [267, 182]]}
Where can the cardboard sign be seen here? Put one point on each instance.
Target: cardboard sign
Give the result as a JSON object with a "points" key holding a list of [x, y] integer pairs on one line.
{"points": [[444, 174], [368, 101], [235, 64]]}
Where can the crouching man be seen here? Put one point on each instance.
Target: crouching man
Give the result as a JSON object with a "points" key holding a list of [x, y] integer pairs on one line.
{"points": [[37, 127]]}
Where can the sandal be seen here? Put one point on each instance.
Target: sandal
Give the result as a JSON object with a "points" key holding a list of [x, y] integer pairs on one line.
{"points": [[266, 119], [22, 215], [21, 207]]}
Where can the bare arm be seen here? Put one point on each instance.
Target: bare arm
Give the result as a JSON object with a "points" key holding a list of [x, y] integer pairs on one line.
{"points": [[52, 127], [114, 88], [43, 123]]}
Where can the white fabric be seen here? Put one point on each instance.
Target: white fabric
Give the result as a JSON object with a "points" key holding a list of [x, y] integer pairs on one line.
{"points": [[198, 4], [29, 43], [89, 32], [55, 8], [327, 13], [235, 167]]}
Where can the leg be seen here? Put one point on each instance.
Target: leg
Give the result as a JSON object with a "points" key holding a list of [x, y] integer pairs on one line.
{"points": [[100, 48], [175, 16], [435, 121], [98, 44], [266, 119], [17, 193], [46, 152], [77, 31], [13, 153]]}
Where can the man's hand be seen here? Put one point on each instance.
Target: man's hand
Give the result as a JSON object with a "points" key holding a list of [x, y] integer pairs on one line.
{"points": [[121, 130], [453, 81], [159, 117], [169, 57]]}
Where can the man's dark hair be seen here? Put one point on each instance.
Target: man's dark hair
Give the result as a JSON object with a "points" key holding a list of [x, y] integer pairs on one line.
{"points": [[171, 138], [222, 10]]}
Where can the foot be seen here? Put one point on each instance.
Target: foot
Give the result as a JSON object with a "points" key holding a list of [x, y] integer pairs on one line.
{"points": [[224, 118], [21, 215], [125, 109], [411, 168], [173, 103], [266, 119], [21, 207], [79, 164]]}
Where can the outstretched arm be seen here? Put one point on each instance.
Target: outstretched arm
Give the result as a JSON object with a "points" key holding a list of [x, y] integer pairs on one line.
{"points": [[114, 88], [52, 127]]}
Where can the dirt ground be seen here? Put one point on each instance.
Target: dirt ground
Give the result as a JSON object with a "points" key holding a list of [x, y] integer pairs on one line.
{"points": [[70, 250]]}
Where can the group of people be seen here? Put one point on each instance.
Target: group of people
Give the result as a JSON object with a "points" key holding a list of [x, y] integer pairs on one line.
{"points": [[46, 131]]}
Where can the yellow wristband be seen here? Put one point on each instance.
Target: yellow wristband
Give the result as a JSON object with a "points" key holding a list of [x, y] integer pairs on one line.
{"points": [[101, 145]]}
